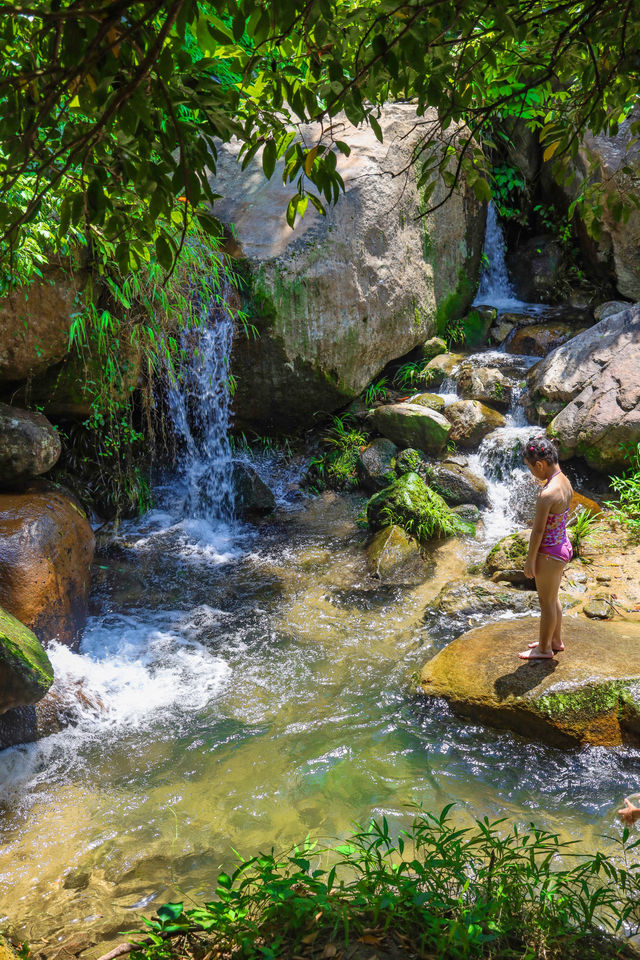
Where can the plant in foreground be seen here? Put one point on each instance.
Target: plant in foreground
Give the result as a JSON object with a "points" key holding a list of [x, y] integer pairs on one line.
{"points": [[335, 466], [627, 507], [435, 890], [581, 529]]}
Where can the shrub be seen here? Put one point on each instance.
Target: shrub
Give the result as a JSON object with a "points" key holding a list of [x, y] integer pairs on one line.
{"points": [[581, 529], [335, 466], [414, 506], [480, 893], [627, 507]]}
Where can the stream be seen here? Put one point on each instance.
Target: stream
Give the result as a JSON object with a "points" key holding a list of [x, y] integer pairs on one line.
{"points": [[239, 686]]}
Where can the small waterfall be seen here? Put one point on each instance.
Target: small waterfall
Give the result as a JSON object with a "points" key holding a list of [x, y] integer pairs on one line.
{"points": [[200, 407], [495, 287]]}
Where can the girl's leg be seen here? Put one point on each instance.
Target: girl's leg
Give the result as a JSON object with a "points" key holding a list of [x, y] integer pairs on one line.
{"points": [[557, 644], [548, 576]]}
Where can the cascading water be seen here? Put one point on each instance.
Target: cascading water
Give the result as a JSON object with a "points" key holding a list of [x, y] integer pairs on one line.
{"points": [[495, 286], [200, 407]]}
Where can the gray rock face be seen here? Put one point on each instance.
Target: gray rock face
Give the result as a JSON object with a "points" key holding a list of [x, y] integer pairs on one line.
{"points": [[457, 485], [252, 494], [29, 445], [535, 269], [392, 555], [412, 425], [594, 378], [376, 464], [607, 309], [338, 297], [471, 421]]}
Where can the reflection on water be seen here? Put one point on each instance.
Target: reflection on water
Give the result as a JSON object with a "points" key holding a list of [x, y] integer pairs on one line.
{"points": [[244, 688]]}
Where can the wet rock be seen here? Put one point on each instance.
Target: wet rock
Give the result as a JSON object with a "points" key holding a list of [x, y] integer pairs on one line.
{"points": [[486, 384], [471, 421], [59, 708], [340, 296], [252, 495], [25, 671], [457, 485], [594, 378], [573, 699], [609, 308], [467, 512], [412, 461], [535, 268], [376, 464], [580, 502], [433, 348], [77, 879], [412, 505], [412, 425], [476, 325], [46, 549], [28, 444], [540, 339], [473, 595], [440, 368], [432, 400], [505, 560], [500, 331], [389, 553], [599, 608], [34, 324]]}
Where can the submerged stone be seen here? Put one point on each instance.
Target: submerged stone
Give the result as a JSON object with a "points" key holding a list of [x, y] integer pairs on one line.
{"points": [[588, 694], [252, 495], [390, 551]]}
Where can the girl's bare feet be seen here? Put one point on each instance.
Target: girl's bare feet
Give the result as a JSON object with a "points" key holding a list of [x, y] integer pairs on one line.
{"points": [[536, 655], [555, 649]]}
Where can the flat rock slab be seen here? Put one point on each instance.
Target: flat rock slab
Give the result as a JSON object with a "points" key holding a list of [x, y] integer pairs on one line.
{"points": [[588, 694]]}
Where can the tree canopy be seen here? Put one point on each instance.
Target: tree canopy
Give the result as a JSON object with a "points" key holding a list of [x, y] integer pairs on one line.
{"points": [[111, 109]]}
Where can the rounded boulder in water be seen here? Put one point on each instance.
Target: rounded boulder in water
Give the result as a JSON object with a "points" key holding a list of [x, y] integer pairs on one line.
{"points": [[252, 495]]}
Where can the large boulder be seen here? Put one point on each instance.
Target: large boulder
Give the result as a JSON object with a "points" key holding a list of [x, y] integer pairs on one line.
{"points": [[25, 671], [589, 694], [612, 161], [540, 339], [29, 445], [487, 384], [34, 323], [457, 485], [46, 549], [376, 464], [412, 425], [338, 297], [471, 421], [506, 559], [591, 389]]}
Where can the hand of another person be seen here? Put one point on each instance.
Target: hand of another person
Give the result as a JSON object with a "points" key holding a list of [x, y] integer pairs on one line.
{"points": [[629, 814]]}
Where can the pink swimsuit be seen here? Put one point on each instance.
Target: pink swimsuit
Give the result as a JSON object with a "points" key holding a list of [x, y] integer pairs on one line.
{"points": [[555, 542]]}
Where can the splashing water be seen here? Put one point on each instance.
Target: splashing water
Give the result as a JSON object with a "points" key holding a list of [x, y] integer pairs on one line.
{"points": [[200, 407]]}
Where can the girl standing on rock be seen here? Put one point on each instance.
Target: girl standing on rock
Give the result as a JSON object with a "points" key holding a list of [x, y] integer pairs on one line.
{"points": [[549, 546]]}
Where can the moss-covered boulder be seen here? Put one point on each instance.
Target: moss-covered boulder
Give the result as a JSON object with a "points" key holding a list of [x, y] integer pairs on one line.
{"points": [[433, 348], [474, 595], [414, 506], [432, 400], [28, 444], [588, 694], [412, 425], [471, 421], [392, 553], [456, 484], [506, 559], [440, 368], [476, 325], [376, 464], [25, 671]]}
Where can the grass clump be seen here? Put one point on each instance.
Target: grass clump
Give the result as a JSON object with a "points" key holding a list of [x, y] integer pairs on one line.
{"points": [[411, 504], [480, 893], [582, 529], [626, 508], [335, 465]]}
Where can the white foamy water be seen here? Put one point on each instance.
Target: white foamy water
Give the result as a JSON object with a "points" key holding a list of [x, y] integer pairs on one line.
{"points": [[495, 288]]}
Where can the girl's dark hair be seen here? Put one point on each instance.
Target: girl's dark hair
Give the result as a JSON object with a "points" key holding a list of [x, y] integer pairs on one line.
{"points": [[540, 448]]}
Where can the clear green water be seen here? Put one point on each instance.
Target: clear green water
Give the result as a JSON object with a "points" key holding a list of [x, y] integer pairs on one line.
{"points": [[239, 691]]}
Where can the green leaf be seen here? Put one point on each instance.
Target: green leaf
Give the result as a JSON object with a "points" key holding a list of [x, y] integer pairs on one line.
{"points": [[375, 126], [171, 911], [164, 253], [269, 156]]}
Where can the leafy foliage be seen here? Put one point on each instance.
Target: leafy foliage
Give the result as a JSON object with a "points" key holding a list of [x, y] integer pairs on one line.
{"points": [[411, 504], [627, 507], [582, 529], [437, 890], [335, 466], [110, 112]]}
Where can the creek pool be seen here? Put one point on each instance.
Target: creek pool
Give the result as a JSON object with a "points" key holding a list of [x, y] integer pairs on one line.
{"points": [[239, 688]]}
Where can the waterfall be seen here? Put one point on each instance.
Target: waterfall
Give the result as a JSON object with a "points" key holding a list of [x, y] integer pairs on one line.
{"points": [[199, 403], [495, 287]]}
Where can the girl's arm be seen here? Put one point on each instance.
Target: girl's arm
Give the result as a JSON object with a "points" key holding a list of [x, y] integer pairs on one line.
{"points": [[539, 523]]}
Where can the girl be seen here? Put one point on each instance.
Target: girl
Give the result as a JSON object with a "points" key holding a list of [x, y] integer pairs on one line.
{"points": [[549, 546]]}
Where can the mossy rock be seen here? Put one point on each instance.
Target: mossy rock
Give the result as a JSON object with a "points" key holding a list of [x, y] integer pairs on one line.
{"points": [[471, 421], [390, 551], [433, 348], [441, 367], [411, 425], [411, 504], [508, 556], [25, 670], [375, 465], [431, 400], [476, 325]]}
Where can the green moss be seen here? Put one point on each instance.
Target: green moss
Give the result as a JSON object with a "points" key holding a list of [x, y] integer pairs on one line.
{"points": [[513, 547], [454, 306], [409, 503], [23, 658], [593, 699]]}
